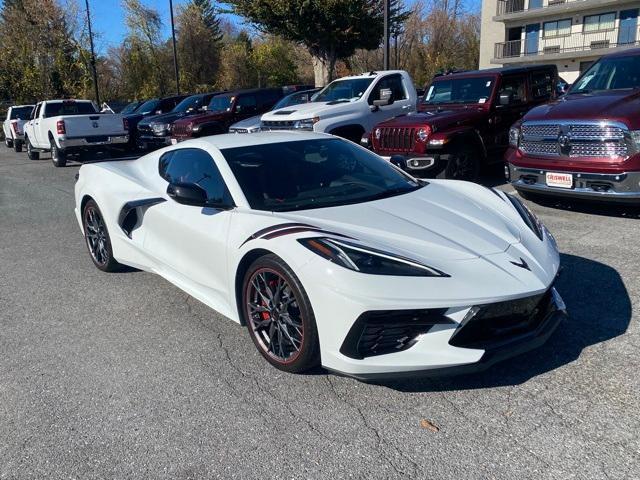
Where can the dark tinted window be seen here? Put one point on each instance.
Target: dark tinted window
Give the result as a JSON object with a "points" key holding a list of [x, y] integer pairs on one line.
{"points": [[68, 108], [195, 102], [130, 108], [219, 103], [246, 103], [393, 83], [459, 90], [609, 74], [307, 174], [192, 165], [148, 106], [515, 86], [21, 112], [541, 85]]}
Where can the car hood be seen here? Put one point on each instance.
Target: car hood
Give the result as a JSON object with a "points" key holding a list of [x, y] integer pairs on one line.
{"points": [[313, 109], [619, 105], [164, 118], [436, 117], [251, 122], [447, 221], [203, 117]]}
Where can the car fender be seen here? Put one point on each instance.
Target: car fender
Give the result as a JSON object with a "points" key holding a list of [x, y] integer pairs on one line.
{"points": [[453, 134]]}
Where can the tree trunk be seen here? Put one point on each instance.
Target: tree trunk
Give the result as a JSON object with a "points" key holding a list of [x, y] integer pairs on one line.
{"points": [[320, 71]]}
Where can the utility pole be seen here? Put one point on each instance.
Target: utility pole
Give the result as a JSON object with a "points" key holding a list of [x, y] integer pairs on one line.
{"points": [[175, 53], [386, 33], [93, 57]]}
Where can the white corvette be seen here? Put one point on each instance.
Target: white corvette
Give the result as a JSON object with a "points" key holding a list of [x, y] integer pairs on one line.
{"points": [[328, 254]]}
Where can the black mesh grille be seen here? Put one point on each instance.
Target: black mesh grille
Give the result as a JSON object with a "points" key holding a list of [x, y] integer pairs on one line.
{"points": [[380, 332], [500, 323]]}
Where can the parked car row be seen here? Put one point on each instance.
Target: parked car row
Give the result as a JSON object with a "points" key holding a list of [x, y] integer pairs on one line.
{"points": [[583, 143]]}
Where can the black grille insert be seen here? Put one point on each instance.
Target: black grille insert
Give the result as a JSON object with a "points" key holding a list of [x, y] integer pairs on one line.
{"points": [[501, 323], [389, 331]]}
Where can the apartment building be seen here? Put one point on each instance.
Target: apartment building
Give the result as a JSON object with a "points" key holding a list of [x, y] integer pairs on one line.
{"points": [[571, 34]]}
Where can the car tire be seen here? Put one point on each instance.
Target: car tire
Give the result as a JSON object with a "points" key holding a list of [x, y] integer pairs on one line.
{"points": [[17, 146], [31, 153], [8, 142], [283, 331], [58, 156], [97, 238], [463, 164]]}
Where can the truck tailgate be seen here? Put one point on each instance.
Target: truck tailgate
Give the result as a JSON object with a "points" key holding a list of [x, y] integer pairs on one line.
{"points": [[96, 125]]}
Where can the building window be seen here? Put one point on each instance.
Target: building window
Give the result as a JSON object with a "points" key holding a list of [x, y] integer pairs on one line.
{"points": [[604, 21], [557, 28]]}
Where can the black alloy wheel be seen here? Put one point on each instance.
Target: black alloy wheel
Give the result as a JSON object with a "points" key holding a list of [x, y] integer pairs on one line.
{"points": [[463, 164], [279, 317], [97, 237], [58, 156], [31, 153]]}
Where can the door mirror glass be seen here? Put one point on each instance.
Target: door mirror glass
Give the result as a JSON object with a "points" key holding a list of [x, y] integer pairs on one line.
{"points": [[506, 98], [386, 98], [188, 194]]}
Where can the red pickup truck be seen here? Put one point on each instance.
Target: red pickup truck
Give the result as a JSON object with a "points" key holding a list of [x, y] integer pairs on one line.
{"points": [[463, 121], [587, 143]]}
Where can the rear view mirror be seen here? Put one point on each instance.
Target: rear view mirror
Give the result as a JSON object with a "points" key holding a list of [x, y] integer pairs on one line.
{"points": [[188, 194], [386, 98]]}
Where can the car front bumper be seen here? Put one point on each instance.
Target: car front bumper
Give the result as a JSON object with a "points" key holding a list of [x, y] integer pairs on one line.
{"points": [[146, 142], [610, 187]]}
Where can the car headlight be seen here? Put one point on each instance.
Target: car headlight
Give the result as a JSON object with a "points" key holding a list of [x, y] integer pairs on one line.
{"points": [[159, 128], [378, 133], [528, 216], [306, 124], [368, 260], [514, 136]]}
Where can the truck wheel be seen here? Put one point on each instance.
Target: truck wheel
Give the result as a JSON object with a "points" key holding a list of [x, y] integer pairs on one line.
{"points": [[8, 142], [58, 156], [31, 153], [17, 146], [463, 164]]}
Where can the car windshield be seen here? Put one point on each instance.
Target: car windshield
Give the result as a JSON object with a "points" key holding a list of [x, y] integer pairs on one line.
{"points": [[68, 108], [189, 104], [21, 113], [609, 74], [220, 103], [130, 108], [317, 173], [294, 99], [459, 90], [344, 90], [148, 106]]}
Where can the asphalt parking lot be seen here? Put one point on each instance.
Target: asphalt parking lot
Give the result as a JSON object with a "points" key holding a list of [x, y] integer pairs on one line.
{"points": [[124, 376]]}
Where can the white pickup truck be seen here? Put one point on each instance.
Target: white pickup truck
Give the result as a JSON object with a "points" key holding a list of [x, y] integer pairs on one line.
{"points": [[350, 106], [65, 127], [13, 125]]}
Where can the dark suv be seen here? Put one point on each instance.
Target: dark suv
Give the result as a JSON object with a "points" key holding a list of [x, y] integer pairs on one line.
{"points": [[463, 121], [224, 110], [155, 106]]}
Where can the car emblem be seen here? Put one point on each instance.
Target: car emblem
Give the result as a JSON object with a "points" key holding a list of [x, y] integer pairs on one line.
{"points": [[95, 124], [564, 141], [522, 264]]}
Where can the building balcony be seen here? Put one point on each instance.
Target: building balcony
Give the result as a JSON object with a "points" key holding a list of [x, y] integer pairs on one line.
{"points": [[508, 10], [574, 45]]}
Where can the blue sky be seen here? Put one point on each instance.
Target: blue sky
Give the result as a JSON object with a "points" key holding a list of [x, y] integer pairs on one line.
{"points": [[108, 18]]}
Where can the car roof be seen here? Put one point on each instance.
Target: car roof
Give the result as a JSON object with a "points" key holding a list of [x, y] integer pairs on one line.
{"points": [[233, 93], [496, 71], [632, 52], [371, 74], [231, 140]]}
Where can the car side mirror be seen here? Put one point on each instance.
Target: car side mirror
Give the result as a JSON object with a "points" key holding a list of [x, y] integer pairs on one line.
{"points": [[188, 194], [506, 98], [386, 98]]}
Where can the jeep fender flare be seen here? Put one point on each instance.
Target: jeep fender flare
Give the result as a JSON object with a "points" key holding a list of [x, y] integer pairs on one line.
{"points": [[462, 133]]}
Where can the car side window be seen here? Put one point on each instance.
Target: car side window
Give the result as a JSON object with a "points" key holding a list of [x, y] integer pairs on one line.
{"points": [[246, 103], [393, 83], [193, 165], [515, 86], [541, 85]]}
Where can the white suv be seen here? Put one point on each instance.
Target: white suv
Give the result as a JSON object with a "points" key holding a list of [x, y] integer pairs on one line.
{"points": [[350, 106]]}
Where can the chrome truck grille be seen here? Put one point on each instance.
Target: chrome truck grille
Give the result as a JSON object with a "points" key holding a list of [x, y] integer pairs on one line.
{"points": [[395, 139], [567, 139]]}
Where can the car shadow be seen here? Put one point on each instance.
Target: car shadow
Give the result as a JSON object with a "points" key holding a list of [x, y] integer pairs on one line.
{"points": [[599, 309], [589, 207]]}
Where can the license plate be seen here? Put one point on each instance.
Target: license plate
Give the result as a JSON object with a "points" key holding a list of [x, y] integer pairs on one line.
{"points": [[174, 141], [560, 180]]}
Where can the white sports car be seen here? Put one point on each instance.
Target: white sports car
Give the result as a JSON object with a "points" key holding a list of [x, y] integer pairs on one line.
{"points": [[328, 254]]}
